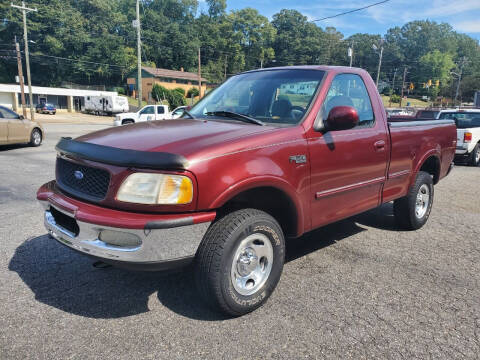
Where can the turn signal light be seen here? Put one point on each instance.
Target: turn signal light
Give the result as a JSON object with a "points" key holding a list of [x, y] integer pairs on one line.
{"points": [[467, 137]]}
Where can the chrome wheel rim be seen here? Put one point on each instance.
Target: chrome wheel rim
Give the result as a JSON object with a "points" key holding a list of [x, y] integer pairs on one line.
{"points": [[252, 264], [36, 137], [422, 202]]}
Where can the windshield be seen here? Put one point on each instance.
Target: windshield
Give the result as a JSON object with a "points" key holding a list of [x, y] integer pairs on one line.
{"points": [[463, 120], [274, 96]]}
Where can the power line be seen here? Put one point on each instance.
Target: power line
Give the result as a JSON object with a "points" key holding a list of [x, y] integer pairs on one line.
{"points": [[351, 11]]}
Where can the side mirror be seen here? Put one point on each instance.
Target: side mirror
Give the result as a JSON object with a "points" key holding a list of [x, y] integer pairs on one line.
{"points": [[149, 118], [341, 118], [21, 117]]}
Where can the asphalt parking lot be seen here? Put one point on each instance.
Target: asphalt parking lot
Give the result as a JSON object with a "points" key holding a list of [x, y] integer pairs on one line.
{"points": [[356, 289]]}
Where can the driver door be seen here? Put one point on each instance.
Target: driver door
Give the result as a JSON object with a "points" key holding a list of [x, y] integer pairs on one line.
{"points": [[347, 166], [147, 113]]}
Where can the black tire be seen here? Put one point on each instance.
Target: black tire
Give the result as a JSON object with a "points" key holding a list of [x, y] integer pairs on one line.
{"points": [[475, 156], [404, 208], [128, 121], [214, 261], [36, 137]]}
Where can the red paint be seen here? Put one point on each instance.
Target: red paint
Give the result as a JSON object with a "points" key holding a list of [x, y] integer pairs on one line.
{"points": [[347, 171]]}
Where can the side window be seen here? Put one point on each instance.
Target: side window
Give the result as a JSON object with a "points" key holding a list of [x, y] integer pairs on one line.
{"points": [[148, 111], [350, 90], [8, 114], [160, 110]]}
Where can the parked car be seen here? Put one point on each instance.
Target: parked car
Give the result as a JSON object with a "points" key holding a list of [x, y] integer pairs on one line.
{"points": [[45, 108], [175, 114], [106, 104], [147, 113], [15, 129], [246, 167], [468, 133]]}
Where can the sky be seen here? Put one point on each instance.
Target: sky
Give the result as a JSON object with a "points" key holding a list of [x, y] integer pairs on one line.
{"points": [[463, 15]]}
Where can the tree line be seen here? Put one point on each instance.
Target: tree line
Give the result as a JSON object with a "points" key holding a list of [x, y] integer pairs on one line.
{"points": [[94, 42]]}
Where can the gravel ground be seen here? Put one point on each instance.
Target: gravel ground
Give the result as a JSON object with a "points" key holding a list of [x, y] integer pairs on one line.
{"points": [[355, 289]]}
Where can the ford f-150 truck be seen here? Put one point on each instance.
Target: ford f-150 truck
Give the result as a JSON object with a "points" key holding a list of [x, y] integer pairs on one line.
{"points": [[269, 154]]}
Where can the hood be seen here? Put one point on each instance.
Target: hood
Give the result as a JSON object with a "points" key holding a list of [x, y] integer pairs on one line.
{"points": [[186, 137]]}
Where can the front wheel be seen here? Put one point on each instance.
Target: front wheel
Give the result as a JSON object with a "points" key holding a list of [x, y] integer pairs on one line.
{"points": [[35, 137], [412, 211], [240, 261]]}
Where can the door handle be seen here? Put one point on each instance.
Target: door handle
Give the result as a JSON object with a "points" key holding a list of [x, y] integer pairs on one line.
{"points": [[379, 145]]}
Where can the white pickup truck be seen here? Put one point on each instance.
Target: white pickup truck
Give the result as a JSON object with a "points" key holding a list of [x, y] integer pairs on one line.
{"points": [[147, 113], [468, 133]]}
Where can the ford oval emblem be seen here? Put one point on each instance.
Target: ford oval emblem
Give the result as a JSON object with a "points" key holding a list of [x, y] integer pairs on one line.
{"points": [[78, 175]]}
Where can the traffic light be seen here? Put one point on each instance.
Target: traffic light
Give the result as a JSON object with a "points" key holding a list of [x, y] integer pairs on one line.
{"points": [[437, 83], [424, 85], [429, 83], [411, 87]]}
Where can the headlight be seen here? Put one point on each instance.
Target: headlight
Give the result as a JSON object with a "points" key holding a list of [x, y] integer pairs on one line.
{"points": [[147, 188]]}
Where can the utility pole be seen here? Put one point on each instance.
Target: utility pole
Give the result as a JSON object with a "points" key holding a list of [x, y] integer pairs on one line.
{"points": [[20, 77], [199, 75], [350, 53], [464, 59], [393, 87], [139, 57], [225, 69], [403, 84], [27, 54], [379, 60]]}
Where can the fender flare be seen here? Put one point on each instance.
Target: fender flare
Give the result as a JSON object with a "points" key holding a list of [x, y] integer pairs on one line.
{"points": [[431, 153], [264, 181]]}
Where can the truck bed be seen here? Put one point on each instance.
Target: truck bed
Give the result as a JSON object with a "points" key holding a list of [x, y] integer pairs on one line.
{"points": [[412, 142]]}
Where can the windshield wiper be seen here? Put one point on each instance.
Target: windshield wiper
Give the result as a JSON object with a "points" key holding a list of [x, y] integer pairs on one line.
{"points": [[234, 115]]}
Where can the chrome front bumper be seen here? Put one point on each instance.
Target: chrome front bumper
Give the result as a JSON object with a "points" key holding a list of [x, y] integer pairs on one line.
{"points": [[155, 246]]}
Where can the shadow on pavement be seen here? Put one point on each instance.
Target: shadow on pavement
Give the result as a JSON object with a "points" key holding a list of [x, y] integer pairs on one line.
{"points": [[14, 146], [61, 278]]}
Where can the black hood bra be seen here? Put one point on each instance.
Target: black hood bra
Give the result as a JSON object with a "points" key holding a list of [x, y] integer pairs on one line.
{"points": [[121, 157]]}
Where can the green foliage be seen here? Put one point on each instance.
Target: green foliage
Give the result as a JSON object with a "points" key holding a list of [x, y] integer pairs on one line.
{"points": [[159, 93], [175, 98], [120, 90], [394, 98], [180, 91], [99, 44], [193, 92]]}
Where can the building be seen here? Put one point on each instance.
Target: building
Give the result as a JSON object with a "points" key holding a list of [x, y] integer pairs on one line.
{"points": [[169, 79], [67, 99]]}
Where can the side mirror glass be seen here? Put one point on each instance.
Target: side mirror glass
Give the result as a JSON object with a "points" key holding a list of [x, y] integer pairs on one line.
{"points": [[149, 118], [341, 118], [20, 117]]}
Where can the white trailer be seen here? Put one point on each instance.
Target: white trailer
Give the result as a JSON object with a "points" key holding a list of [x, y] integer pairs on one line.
{"points": [[106, 104]]}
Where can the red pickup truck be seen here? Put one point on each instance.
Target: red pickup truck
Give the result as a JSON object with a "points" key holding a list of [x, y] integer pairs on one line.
{"points": [[269, 154]]}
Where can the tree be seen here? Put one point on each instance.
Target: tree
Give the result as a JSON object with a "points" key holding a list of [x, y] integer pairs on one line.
{"points": [[434, 66]]}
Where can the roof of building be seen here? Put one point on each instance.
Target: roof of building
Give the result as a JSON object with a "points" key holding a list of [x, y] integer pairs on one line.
{"points": [[172, 74], [40, 90]]}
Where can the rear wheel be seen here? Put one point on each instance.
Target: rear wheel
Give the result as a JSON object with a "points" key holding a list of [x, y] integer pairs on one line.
{"points": [[239, 261], [412, 211], [475, 157], [35, 137]]}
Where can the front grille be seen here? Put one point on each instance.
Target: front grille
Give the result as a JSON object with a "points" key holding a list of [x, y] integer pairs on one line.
{"points": [[82, 181]]}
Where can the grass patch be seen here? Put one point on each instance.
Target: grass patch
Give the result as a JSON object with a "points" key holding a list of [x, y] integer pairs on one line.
{"points": [[413, 102]]}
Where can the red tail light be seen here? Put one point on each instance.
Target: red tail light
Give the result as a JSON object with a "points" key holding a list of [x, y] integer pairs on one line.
{"points": [[467, 137]]}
